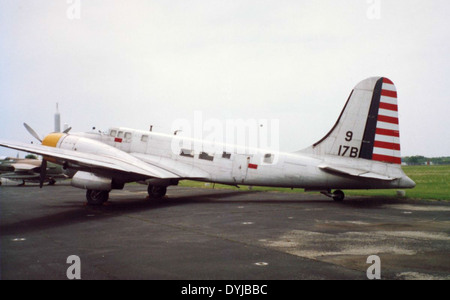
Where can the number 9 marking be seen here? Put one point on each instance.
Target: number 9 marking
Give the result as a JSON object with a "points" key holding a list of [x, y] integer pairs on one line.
{"points": [[349, 136]]}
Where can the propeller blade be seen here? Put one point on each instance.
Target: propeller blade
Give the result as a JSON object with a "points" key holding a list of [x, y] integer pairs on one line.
{"points": [[32, 132], [67, 130], [43, 173]]}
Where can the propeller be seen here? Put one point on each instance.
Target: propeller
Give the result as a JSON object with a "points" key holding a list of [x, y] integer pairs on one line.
{"points": [[43, 171], [32, 132]]}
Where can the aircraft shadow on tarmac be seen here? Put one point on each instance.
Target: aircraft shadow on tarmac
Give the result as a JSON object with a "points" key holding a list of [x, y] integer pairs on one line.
{"points": [[77, 212]]}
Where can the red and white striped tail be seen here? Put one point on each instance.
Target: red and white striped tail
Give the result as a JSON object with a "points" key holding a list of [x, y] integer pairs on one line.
{"points": [[386, 147], [368, 126]]}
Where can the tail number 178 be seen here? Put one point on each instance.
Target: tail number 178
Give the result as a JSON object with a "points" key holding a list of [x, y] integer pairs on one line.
{"points": [[348, 151]]}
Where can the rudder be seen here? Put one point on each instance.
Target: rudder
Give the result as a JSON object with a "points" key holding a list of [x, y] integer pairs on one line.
{"points": [[385, 138]]}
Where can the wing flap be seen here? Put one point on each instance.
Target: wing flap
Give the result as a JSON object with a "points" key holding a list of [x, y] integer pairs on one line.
{"points": [[183, 170]]}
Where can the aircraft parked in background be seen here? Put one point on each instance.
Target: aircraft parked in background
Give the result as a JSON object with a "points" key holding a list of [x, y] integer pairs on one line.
{"points": [[361, 151], [29, 170]]}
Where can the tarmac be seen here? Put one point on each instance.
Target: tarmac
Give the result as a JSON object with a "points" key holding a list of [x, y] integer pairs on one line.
{"points": [[213, 234]]}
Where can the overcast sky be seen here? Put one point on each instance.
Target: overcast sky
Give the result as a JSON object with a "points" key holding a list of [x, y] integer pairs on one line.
{"points": [[135, 63]]}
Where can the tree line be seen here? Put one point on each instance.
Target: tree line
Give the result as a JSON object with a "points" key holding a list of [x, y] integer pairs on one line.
{"points": [[422, 160]]}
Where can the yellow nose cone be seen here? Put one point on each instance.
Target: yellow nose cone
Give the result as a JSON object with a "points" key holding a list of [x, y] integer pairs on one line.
{"points": [[52, 139]]}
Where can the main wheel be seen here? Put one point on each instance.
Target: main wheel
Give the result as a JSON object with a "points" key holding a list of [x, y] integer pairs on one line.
{"points": [[96, 197], [156, 191], [338, 196]]}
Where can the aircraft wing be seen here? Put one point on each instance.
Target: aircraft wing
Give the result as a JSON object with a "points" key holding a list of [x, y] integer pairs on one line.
{"points": [[95, 163], [184, 170], [354, 172]]}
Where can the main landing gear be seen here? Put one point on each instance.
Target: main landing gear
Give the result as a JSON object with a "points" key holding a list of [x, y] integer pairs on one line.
{"points": [[156, 191], [337, 195], [94, 197]]}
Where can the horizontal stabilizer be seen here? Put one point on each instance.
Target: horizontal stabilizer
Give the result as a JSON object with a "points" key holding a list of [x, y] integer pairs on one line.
{"points": [[355, 172]]}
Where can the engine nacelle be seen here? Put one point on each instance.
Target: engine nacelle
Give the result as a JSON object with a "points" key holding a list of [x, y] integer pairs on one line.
{"points": [[161, 182], [84, 143], [90, 181]]}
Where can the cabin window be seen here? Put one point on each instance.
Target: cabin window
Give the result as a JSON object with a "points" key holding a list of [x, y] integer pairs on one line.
{"points": [[268, 158], [144, 138], [128, 136], [206, 156], [113, 133], [187, 153], [226, 155]]}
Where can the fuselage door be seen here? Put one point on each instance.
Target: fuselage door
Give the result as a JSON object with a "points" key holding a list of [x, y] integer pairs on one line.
{"points": [[240, 167]]}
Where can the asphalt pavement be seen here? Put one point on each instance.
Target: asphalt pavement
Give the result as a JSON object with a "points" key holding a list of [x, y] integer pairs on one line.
{"points": [[211, 234]]}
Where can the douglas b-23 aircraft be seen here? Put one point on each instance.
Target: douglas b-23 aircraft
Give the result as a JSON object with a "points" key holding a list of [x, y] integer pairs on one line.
{"points": [[361, 151]]}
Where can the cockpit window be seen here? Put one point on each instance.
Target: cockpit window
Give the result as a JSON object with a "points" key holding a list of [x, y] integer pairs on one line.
{"points": [[113, 133]]}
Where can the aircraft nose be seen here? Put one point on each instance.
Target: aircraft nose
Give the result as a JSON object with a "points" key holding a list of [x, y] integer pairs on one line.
{"points": [[407, 183]]}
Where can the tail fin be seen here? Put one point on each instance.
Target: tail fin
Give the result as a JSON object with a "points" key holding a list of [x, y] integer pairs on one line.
{"points": [[368, 126]]}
